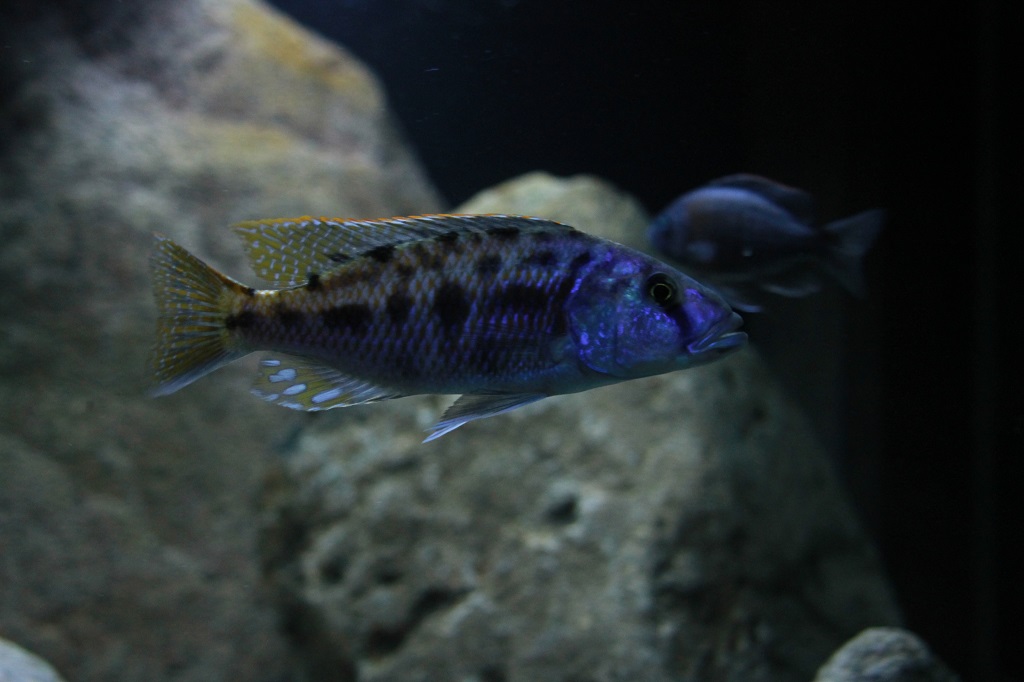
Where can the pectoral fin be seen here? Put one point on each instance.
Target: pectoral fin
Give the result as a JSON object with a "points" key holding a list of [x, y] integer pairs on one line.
{"points": [[477, 406]]}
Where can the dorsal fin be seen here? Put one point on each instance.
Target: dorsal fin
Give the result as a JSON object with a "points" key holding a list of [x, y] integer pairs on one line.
{"points": [[798, 202], [284, 251]]}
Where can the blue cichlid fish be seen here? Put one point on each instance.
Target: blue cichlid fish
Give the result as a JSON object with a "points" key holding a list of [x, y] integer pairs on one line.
{"points": [[745, 234], [505, 310]]}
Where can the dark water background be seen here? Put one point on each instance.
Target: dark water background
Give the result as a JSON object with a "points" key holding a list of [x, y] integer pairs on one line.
{"points": [[905, 106]]}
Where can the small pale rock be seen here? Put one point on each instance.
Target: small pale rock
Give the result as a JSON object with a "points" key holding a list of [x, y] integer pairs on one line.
{"points": [[18, 665], [885, 655]]}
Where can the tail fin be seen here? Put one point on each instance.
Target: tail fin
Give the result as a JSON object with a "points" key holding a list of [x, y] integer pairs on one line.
{"points": [[851, 239], [192, 338]]}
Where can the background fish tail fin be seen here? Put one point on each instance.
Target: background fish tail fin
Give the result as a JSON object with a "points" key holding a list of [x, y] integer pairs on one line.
{"points": [[192, 337], [850, 240]]}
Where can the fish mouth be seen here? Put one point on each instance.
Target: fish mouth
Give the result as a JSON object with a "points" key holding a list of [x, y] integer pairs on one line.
{"points": [[722, 337]]}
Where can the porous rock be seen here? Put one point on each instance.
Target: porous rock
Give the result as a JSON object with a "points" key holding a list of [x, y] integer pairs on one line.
{"points": [[680, 527], [127, 532], [885, 655]]}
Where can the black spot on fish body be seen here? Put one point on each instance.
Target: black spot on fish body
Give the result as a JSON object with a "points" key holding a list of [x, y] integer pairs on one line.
{"points": [[399, 306], [287, 317], [339, 257], [243, 320], [545, 259], [449, 242], [564, 288], [559, 323], [504, 232], [354, 317], [522, 298], [249, 291], [579, 261], [450, 305], [488, 264], [313, 282], [382, 253], [405, 271]]}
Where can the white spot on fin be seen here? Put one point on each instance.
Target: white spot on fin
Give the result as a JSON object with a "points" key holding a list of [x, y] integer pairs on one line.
{"points": [[326, 395], [295, 389], [287, 374]]}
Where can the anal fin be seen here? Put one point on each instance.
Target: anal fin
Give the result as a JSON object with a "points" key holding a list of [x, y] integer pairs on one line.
{"points": [[301, 384]]}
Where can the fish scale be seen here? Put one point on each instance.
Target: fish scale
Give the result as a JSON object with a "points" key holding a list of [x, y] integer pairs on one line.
{"points": [[505, 310]]}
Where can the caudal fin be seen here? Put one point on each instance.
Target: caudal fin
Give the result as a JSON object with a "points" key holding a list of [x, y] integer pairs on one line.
{"points": [[851, 239], [191, 336]]}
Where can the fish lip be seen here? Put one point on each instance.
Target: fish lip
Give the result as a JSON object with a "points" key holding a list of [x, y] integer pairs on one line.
{"points": [[722, 337]]}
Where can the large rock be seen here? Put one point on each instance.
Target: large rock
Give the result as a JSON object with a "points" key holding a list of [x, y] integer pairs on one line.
{"points": [[127, 529], [681, 527]]}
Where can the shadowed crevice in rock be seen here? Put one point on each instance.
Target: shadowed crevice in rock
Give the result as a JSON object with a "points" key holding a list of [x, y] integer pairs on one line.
{"points": [[318, 655], [384, 641]]}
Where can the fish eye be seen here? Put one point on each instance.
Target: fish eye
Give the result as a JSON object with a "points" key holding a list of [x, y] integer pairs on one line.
{"points": [[661, 289]]}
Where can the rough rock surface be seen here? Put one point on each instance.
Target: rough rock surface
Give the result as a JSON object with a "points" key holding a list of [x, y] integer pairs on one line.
{"points": [[682, 527], [18, 665], [127, 530], [885, 655]]}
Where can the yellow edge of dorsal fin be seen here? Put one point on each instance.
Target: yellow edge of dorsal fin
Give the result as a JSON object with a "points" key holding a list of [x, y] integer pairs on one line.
{"points": [[286, 251]]}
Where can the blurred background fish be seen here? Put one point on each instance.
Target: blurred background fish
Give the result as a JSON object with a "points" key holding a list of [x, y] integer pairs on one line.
{"points": [[747, 235], [505, 310]]}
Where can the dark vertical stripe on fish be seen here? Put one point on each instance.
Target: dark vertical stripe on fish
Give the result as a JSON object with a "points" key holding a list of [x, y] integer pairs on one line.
{"points": [[545, 258], [286, 317], [399, 306], [243, 320], [523, 298], [450, 305], [351, 317], [488, 265]]}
